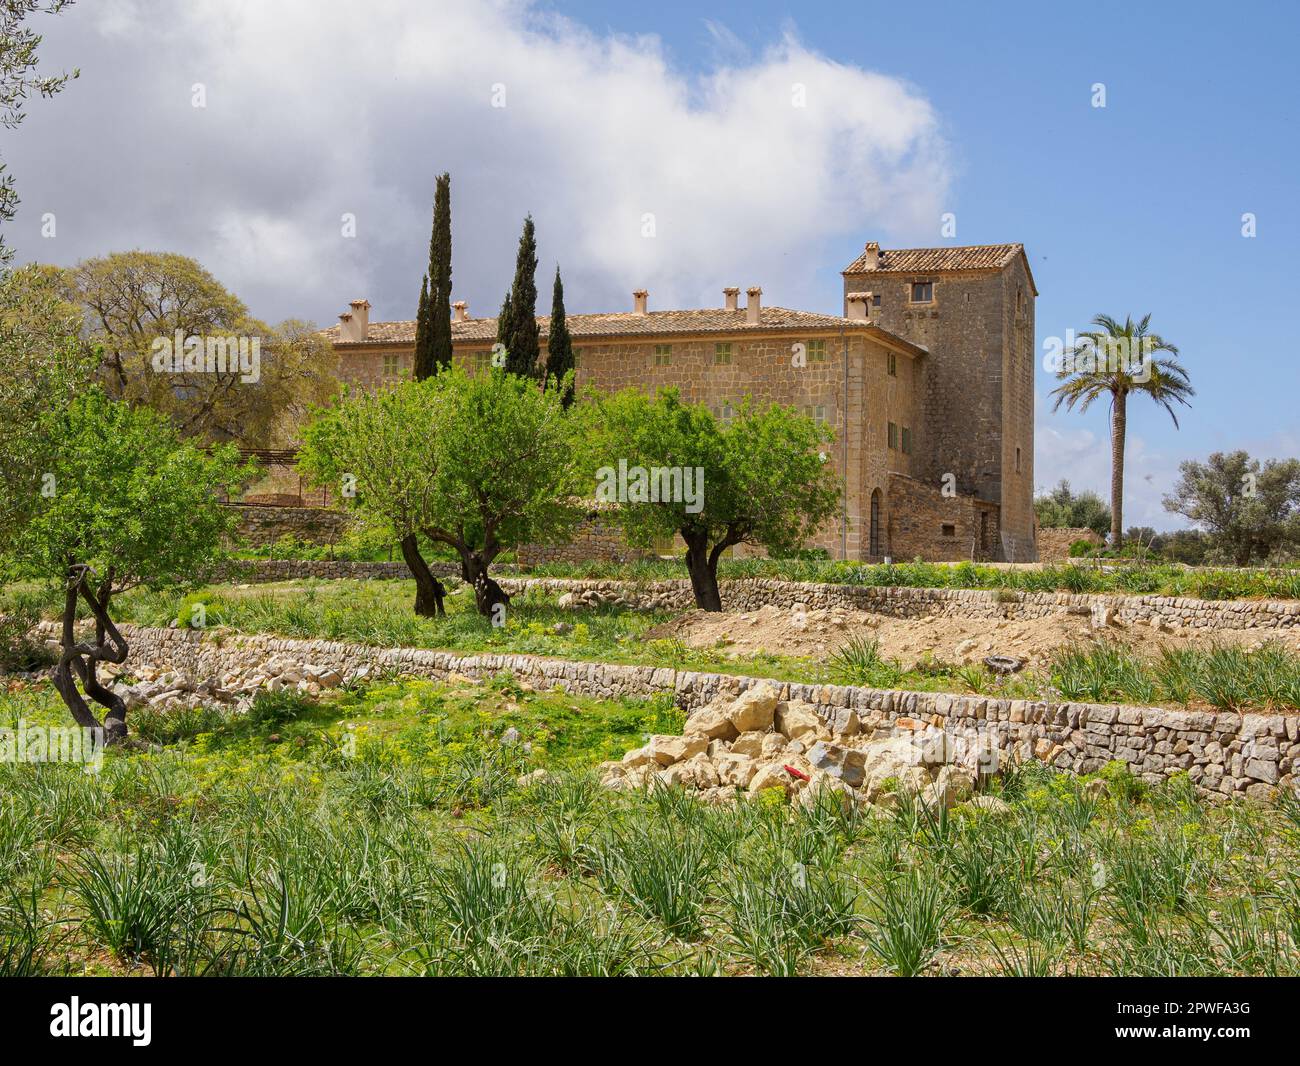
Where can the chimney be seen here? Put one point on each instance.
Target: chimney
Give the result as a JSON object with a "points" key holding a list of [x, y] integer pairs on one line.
{"points": [[346, 328], [871, 256], [639, 299], [732, 294], [462, 311], [751, 308], [360, 319], [859, 306]]}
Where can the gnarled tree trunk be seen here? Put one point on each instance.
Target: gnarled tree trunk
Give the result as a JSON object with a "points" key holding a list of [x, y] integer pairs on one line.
{"points": [[429, 591], [487, 593], [82, 659], [703, 568]]}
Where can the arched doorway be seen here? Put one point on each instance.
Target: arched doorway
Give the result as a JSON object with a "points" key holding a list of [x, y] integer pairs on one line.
{"points": [[874, 545]]}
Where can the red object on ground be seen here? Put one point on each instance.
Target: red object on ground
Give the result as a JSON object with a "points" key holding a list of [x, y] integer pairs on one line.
{"points": [[797, 773]]}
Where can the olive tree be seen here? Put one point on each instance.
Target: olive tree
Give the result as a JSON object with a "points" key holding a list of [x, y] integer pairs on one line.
{"points": [[762, 477], [481, 464], [114, 499]]}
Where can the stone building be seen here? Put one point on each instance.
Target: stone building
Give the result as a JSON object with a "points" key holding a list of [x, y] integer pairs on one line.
{"points": [[926, 380]]}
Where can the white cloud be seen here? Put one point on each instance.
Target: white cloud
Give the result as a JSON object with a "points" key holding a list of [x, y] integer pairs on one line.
{"points": [[317, 107]]}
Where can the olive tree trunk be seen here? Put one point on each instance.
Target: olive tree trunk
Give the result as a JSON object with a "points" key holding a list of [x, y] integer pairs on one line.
{"points": [[80, 661]]}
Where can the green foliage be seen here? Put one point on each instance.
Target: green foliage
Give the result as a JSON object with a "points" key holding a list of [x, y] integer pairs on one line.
{"points": [[433, 318], [1228, 677], [518, 329], [559, 344], [766, 478], [1251, 511], [131, 301], [477, 463], [127, 496], [1062, 508]]}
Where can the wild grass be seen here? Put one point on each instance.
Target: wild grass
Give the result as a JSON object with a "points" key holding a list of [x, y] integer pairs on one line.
{"points": [[1227, 677]]}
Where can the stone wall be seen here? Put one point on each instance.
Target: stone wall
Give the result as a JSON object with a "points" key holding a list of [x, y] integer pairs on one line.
{"points": [[597, 537], [926, 524], [976, 393], [898, 602], [1225, 754], [1054, 544], [260, 524]]}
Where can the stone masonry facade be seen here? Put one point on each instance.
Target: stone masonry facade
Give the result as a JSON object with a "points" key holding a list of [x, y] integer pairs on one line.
{"points": [[933, 384]]}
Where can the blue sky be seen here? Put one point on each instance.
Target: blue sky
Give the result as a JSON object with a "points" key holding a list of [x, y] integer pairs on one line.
{"points": [[1132, 208], [982, 110]]}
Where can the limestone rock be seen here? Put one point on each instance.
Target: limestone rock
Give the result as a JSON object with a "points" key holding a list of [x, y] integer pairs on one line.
{"points": [[796, 719], [754, 708]]}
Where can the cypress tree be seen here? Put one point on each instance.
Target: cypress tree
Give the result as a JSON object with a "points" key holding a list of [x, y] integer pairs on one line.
{"points": [[423, 340], [524, 345], [559, 343], [504, 325], [440, 273]]}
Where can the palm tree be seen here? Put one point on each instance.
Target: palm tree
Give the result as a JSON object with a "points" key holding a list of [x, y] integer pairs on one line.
{"points": [[1118, 359]]}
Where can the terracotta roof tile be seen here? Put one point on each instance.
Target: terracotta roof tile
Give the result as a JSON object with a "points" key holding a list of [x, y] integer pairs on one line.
{"points": [[622, 324], [937, 260]]}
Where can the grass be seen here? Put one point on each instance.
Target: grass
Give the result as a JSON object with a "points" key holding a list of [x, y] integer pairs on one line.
{"points": [[1119, 578], [382, 831], [1226, 677], [379, 613]]}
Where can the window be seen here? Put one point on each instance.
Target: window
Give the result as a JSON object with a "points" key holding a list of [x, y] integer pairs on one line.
{"points": [[907, 441], [892, 360], [893, 435], [875, 299], [816, 351], [922, 292], [948, 529], [873, 543], [722, 354], [817, 413], [1017, 460], [392, 365], [663, 354], [577, 357]]}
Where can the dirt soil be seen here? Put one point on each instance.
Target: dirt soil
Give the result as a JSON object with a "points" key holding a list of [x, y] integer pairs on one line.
{"points": [[818, 633]]}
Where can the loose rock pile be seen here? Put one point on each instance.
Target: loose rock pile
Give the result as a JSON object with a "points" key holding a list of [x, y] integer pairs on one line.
{"points": [[164, 689], [757, 742]]}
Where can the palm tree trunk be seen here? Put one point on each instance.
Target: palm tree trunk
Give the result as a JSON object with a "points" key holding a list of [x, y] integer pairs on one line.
{"points": [[1118, 426]]}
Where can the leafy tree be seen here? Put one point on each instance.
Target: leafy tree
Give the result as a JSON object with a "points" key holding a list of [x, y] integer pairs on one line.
{"points": [[522, 337], [762, 478], [1062, 508], [1187, 546], [18, 83], [1250, 510], [122, 502], [378, 452], [43, 366], [1117, 360], [480, 464], [136, 304], [433, 320], [559, 344]]}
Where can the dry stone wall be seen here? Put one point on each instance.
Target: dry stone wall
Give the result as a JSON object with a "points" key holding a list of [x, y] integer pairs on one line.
{"points": [[1225, 754], [895, 601]]}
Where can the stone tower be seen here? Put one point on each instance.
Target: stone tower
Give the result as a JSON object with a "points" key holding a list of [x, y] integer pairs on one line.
{"points": [[972, 309]]}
